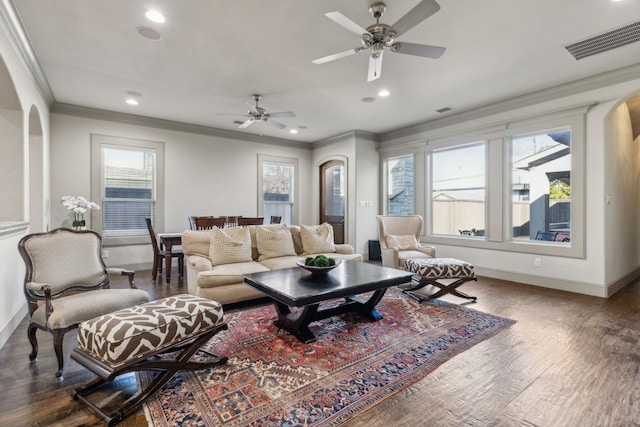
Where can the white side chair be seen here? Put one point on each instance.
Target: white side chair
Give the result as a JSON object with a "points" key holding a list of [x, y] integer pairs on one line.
{"points": [[400, 240], [67, 282]]}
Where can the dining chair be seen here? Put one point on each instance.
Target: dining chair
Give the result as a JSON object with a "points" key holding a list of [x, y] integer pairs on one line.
{"points": [[275, 219], [243, 220], [230, 221], [159, 253], [205, 222], [67, 282]]}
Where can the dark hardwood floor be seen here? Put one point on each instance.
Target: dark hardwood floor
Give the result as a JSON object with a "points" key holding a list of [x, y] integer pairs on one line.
{"points": [[570, 360]]}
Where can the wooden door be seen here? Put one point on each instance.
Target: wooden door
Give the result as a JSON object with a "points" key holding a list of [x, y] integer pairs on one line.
{"points": [[332, 197]]}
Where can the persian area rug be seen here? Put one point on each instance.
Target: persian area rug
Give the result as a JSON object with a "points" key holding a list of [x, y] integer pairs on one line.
{"points": [[272, 379]]}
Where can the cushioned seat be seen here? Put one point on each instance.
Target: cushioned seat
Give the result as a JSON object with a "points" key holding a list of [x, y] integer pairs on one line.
{"points": [[430, 271], [161, 335], [146, 329]]}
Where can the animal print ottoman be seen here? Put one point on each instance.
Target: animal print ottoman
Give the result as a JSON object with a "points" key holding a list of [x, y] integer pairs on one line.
{"points": [[430, 271], [160, 335]]}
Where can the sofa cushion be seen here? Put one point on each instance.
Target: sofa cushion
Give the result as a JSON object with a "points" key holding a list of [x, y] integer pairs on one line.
{"points": [[281, 262], [230, 245], [228, 274], [406, 242], [274, 242], [317, 238], [196, 242]]}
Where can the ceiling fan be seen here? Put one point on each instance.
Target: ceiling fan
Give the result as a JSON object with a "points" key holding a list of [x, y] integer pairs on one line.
{"points": [[378, 36], [259, 114]]}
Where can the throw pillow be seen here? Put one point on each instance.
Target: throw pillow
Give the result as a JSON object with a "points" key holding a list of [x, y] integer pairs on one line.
{"points": [[230, 245], [274, 242], [317, 239], [402, 242]]}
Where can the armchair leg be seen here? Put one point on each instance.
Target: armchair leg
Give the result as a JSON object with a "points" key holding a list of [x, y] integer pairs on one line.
{"points": [[31, 334], [58, 337]]}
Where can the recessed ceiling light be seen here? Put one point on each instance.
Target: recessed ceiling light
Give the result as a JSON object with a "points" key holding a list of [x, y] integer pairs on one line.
{"points": [[132, 101], [149, 33], [155, 16], [294, 131], [383, 92]]}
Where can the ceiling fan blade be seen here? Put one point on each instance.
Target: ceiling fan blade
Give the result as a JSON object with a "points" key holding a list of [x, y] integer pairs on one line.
{"points": [[275, 123], [375, 67], [281, 114], [346, 23], [335, 56], [423, 50], [419, 13], [246, 124]]}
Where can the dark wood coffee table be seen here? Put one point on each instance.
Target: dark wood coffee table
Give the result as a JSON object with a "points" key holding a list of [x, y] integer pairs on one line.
{"points": [[297, 288]]}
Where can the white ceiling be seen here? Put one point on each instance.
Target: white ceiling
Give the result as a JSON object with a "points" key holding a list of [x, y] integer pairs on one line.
{"points": [[214, 54]]}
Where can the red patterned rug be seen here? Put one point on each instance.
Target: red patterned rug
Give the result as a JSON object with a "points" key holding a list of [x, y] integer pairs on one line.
{"points": [[272, 379]]}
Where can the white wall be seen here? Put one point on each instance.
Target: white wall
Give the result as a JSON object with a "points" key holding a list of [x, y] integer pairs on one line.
{"points": [[622, 187], [204, 175]]}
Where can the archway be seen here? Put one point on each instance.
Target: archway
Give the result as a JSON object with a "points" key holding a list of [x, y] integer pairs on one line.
{"points": [[12, 148]]}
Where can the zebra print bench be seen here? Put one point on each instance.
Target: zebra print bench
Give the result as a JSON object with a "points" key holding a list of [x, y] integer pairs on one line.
{"points": [[139, 338], [431, 271]]}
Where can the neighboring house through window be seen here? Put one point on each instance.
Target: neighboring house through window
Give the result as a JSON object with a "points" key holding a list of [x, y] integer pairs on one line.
{"points": [[277, 188], [127, 177]]}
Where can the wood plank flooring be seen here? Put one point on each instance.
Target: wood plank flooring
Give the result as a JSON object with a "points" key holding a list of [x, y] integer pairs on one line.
{"points": [[570, 360]]}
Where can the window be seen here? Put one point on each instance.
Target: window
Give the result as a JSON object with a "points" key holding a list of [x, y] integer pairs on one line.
{"points": [[277, 184], [400, 186], [458, 190], [541, 186], [127, 186]]}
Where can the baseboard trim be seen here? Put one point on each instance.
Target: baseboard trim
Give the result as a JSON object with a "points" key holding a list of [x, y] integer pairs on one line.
{"points": [[545, 282], [615, 286], [10, 327]]}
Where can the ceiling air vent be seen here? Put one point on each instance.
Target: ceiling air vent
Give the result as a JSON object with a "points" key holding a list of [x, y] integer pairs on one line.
{"points": [[609, 40], [443, 110]]}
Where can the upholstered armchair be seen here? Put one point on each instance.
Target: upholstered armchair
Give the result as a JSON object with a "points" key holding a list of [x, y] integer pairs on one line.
{"points": [[67, 282], [400, 240]]}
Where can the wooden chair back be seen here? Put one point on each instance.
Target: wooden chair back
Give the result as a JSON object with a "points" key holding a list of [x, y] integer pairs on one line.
{"points": [[154, 237], [244, 220], [206, 222], [275, 219]]}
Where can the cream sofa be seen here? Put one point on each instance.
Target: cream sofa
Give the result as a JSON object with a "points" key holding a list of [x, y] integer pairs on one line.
{"points": [[223, 282]]}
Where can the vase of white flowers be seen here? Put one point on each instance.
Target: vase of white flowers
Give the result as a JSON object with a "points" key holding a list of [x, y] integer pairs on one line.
{"points": [[79, 206]]}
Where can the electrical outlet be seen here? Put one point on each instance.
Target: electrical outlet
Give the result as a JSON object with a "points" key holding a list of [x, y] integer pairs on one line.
{"points": [[537, 262], [105, 253]]}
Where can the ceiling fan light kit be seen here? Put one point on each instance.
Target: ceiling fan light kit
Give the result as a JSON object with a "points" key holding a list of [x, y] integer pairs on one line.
{"points": [[378, 36], [259, 114]]}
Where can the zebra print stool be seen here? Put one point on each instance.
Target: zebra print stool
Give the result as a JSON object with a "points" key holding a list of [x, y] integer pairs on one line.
{"points": [[133, 339], [429, 271]]}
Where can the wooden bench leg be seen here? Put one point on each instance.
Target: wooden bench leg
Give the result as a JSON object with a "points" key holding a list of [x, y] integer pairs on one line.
{"points": [[168, 367], [443, 289]]}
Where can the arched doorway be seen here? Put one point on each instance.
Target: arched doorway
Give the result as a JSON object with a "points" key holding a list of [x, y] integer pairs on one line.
{"points": [[332, 197], [12, 148]]}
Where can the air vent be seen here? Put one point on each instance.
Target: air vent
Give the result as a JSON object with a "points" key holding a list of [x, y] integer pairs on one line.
{"points": [[606, 41], [443, 110]]}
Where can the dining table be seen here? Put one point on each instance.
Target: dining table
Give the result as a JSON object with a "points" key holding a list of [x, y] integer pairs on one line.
{"points": [[168, 241]]}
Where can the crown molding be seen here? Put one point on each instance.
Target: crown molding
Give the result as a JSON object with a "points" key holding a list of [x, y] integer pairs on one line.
{"points": [[132, 119], [575, 87], [18, 37]]}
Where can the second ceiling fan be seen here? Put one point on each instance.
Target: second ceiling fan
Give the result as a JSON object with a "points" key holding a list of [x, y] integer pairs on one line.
{"points": [[378, 36]]}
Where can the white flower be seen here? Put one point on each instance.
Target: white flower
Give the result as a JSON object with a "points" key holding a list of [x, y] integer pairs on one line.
{"points": [[78, 204]]}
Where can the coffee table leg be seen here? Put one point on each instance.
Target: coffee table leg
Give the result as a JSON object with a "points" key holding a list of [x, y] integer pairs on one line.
{"points": [[297, 324], [367, 307]]}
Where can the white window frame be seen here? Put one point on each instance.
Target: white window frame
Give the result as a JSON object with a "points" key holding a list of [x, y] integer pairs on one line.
{"points": [[98, 142], [291, 161]]}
